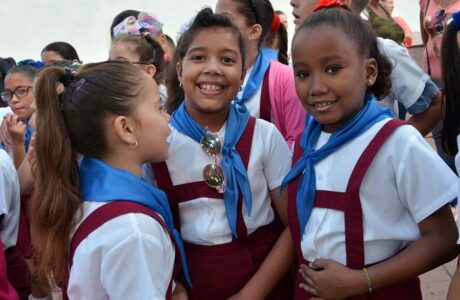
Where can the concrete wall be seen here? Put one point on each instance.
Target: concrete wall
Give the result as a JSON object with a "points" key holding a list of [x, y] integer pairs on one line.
{"points": [[26, 26]]}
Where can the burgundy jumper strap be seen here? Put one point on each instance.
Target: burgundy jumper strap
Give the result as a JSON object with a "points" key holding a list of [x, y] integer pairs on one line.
{"points": [[192, 190], [293, 220], [265, 104], [354, 227], [106, 213]]}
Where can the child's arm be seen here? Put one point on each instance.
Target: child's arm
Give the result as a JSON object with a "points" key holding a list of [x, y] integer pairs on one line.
{"points": [[436, 246], [425, 121], [16, 130], [277, 263], [25, 172]]}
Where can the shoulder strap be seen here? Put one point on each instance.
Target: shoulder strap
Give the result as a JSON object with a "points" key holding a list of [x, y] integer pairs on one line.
{"points": [[244, 145], [265, 104], [106, 213]]}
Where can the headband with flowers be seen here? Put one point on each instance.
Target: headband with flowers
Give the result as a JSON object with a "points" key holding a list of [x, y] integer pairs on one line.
{"points": [[135, 26]]}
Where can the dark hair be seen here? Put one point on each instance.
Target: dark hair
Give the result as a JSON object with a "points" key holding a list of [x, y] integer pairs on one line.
{"points": [[149, 51], [279, 12], [121, 16], [278, 40], [450, 63], [26, 70], [5, 65], [205, 19], [66, 50], [362, 34], [68, 123]]}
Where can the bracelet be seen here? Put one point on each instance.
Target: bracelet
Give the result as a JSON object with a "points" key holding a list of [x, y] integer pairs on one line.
{"points": [[369, 282]]}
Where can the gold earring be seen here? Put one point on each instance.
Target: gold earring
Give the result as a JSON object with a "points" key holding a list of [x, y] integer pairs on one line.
{"points": [[134, 144]]}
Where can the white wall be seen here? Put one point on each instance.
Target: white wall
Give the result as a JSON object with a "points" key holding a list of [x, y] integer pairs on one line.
{"points": [[26, 26]]}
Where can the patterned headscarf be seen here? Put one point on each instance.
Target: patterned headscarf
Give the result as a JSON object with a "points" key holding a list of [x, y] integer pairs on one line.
{"points": [[135, 26]]}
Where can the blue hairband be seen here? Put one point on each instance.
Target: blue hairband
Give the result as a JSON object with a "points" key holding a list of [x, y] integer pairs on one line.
{"points": [[456, 19]]}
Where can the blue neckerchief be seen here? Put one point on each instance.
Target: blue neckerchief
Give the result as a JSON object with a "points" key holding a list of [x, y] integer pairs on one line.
{"points": [[306, 190], [28, 135], [270, 53], [235, 172], [256, 77], [99, 182]]}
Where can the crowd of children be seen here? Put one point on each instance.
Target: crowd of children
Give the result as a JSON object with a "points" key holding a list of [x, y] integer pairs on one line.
{"points": [[222, 168]]}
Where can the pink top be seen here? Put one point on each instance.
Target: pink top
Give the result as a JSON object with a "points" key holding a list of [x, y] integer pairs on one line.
{"points": [[433, 44], [287, 110]]}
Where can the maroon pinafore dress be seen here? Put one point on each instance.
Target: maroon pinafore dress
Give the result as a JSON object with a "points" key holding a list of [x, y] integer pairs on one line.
{"points": [[350, 203]]}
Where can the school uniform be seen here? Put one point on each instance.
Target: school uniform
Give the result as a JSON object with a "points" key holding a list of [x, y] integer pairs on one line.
{"points": [[370, 195], [130, 246], [220, 264], [124, 245], [275, 99], [10, 211]]}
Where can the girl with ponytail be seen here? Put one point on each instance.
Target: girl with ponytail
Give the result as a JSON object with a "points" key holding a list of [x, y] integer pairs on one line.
{"points": [[99, 230]]}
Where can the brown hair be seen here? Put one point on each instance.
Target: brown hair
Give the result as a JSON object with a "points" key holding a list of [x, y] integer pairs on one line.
{"points": [[149, 51], [71, 123]]}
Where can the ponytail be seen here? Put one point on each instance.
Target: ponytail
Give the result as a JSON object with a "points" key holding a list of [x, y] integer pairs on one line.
{"points": [[282, 45], [57, 188]]}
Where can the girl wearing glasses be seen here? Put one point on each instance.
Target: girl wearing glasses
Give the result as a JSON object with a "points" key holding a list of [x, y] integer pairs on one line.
{"points": [[268, 89], [224, 171], [15, 131], [100, 230], [135, 40]]}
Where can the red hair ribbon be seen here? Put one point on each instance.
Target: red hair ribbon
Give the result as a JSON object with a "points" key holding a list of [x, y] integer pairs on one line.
{"points": [[276, 23], [327, 4]]}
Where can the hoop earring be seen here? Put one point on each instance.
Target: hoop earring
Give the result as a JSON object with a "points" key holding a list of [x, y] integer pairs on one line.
{"points": [[134, 144]]}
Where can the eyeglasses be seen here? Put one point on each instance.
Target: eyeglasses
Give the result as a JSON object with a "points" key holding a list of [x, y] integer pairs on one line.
{"points": [[213, 174], [20, 92], [439, 24]]}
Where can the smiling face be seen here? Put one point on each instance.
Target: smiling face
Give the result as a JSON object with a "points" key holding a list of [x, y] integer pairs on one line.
{"points": [[330, 75], [211, 71], [20, 106]]}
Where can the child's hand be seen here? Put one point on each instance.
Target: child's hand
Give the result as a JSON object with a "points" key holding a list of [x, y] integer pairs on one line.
{"points": [[16, 129], [4, 135], [327, 279], [179, 292]]}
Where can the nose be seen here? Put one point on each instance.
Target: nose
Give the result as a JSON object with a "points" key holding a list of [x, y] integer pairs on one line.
{"points": [[14, 98], [318, 86], [212, 66]]}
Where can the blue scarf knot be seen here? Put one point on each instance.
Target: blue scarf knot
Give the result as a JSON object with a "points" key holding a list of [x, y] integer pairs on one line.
{"points": [[100, 182], [255, 78], [235, 172], [306, 190]]}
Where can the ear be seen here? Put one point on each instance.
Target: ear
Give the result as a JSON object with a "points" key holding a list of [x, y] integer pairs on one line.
{"points": [[255, 31], [163, 41], [179, 69], [123, 128], [372, 71], [151, 70]]}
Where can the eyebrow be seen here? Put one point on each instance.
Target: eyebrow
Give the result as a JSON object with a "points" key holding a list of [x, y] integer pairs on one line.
{"points": [[328, 58], [221, 50]]}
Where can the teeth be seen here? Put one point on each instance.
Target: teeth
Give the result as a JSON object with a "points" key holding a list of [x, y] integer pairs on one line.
{"points": [[322, 104], [210, 87]]}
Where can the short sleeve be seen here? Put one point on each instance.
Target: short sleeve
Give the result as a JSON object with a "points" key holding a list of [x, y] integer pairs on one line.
{"points": [[424, 101], [425, 183], [407, 78]]}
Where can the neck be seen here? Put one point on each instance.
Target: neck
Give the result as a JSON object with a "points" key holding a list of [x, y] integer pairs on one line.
{"points": [[123, 161], [209, 121], [252, 52]]}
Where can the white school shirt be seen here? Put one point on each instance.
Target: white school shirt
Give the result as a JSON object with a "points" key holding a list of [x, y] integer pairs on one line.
{"points": [[408, 80], [457, 166], [129, 257], [406, 183], [253, 104], [10, 201], [203, 220]]}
